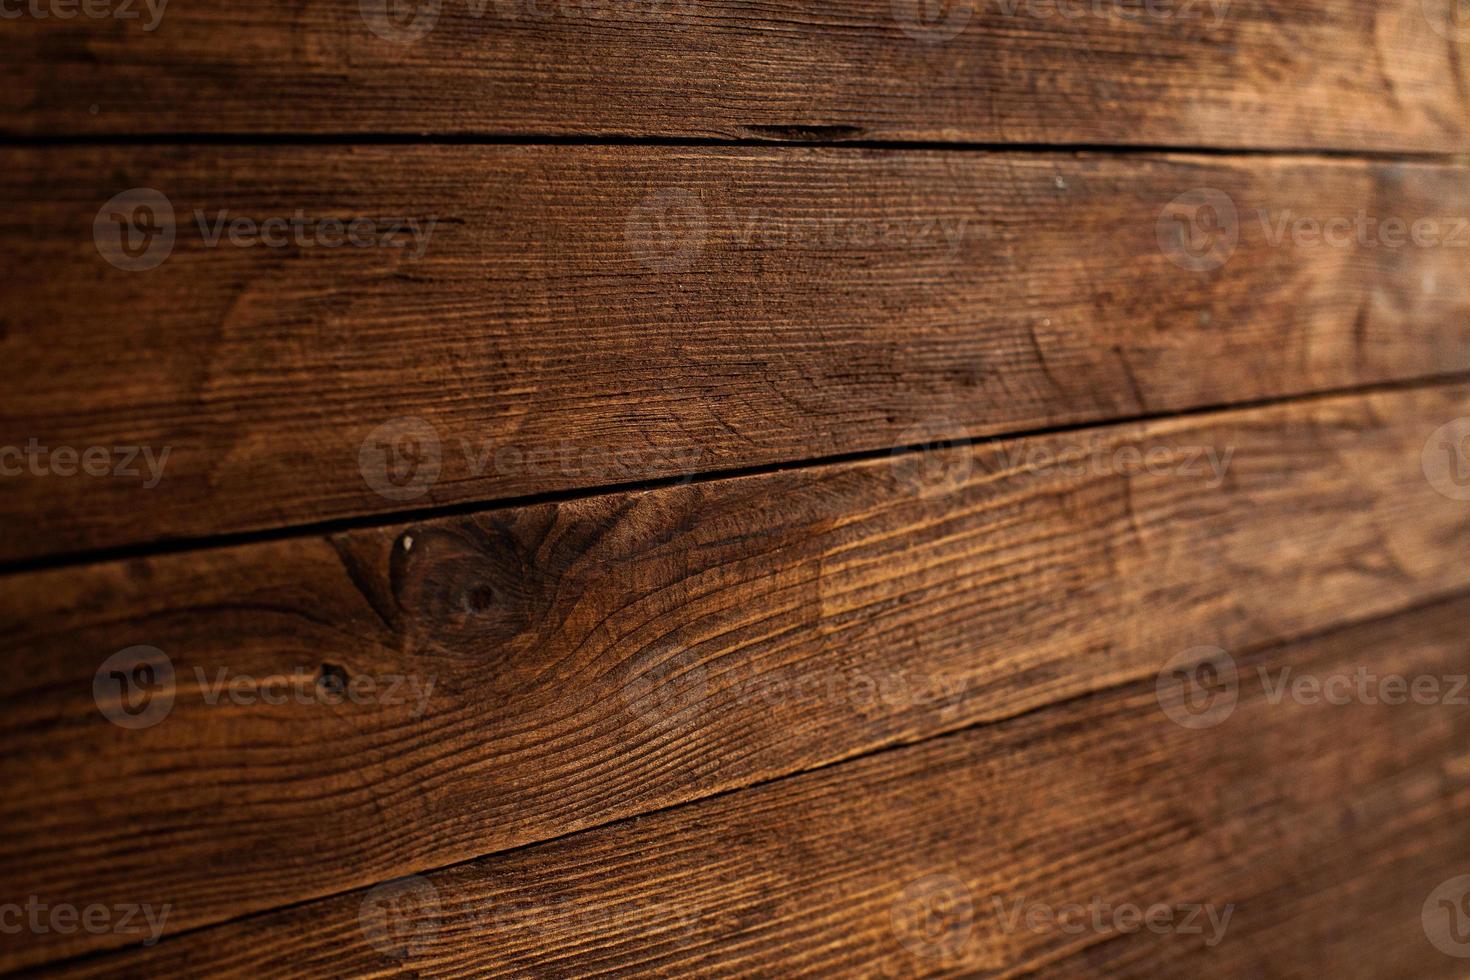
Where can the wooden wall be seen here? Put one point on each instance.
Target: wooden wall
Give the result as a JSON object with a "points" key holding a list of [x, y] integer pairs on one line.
{"points": [[654, 487]]}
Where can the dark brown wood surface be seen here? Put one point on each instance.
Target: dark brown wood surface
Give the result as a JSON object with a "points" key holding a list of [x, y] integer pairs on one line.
{"points": [[1279, 843], [1346, 74], [589, 317], [599, 658]]}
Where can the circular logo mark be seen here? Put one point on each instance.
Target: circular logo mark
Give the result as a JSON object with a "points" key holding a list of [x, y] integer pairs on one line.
{"points": [[933, 21], [668, 230], [134, 688], [400, 918], [1446, 459], [135, 230], [933, 916], [400, 459], [1198, 688], [400, 21], [1199, 230], [662, 687], [1449, 18], [933, 458], [1446, 917]]}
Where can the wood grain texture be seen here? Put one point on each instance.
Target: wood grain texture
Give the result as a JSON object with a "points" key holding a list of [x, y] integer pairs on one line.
{"points": [[584, 317], [599, 658], [1350, 74], [1311, 836]]}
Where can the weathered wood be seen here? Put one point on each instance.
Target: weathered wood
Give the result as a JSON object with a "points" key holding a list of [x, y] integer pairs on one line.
{"points": [[804, 303], [1292, 839], [599, 658], [1349, 74]]}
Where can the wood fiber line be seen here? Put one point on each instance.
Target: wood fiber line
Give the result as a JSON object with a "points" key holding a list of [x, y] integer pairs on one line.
{"points": [[1383, 75], [583, 317], [1289, 839], [599, 658]]}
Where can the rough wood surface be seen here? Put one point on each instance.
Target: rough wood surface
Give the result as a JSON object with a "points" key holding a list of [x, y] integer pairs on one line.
{"points": [[1291, 839], [600, 316], [599, 658], [1345, 74]]}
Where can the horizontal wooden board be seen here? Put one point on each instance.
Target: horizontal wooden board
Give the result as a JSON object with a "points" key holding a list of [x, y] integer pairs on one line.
{"points": [[1291, 839], [584, 317], [1350, 74], [599, 658]]}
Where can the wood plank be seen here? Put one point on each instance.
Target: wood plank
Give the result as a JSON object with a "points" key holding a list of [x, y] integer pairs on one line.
{"points": [[1291, 839], [807, 303], [1352, 74], [598, 658]]}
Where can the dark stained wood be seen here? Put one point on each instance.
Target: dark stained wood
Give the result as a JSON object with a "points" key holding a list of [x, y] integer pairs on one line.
{"points": [[1290, 840], [1349, 74], [599, 658], [808, 303]]}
